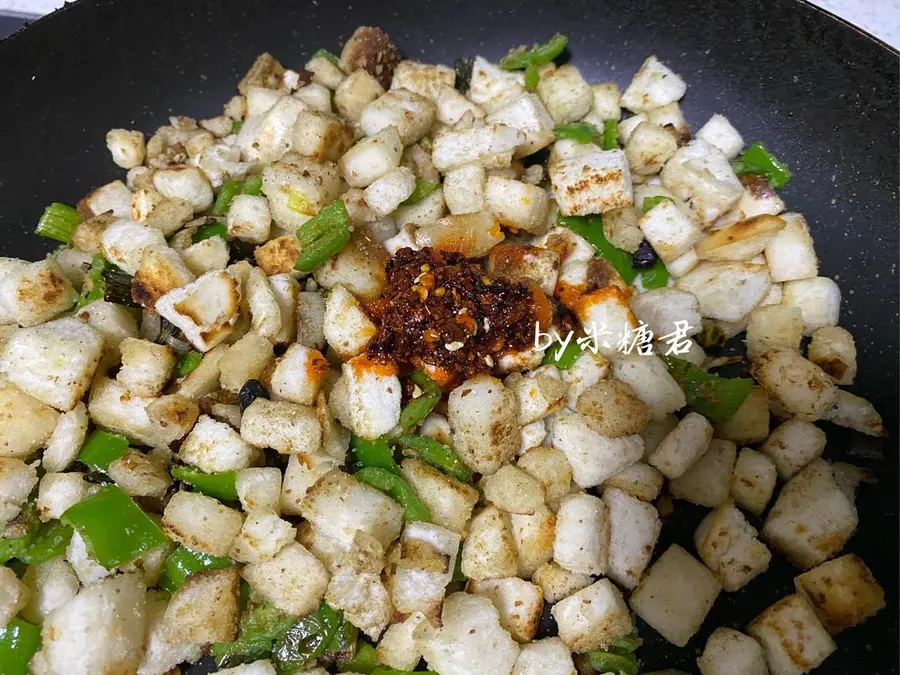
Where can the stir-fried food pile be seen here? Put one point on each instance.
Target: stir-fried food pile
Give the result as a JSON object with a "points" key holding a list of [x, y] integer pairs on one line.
{"points": [[390, 360]]}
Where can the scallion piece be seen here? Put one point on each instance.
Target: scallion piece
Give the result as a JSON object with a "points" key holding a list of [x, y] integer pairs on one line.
{"points": [[114, 528], [323, 236], [229, 190], [210, 231], [58, 222], [757, 160], [522, 57], [221, 485], [188, 362], [94, 287], [436, 454], [463, 71], [252, 185], [101, 449], [325, 54], [610, 135], [236, 126], [532, 77], [397, 488], [580, 132], [423, 189], [117, 286]]}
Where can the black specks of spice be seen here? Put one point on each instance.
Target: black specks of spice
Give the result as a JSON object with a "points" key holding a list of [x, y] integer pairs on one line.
{"points": [[644, 257], [463, 68], [251, 391]]}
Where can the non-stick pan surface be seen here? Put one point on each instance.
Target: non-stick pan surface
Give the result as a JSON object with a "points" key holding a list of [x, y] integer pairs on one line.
{"points": [[820, 94]]}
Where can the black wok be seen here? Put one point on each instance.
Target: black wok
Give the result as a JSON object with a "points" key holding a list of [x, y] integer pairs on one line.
{"points": [[821, 94]]}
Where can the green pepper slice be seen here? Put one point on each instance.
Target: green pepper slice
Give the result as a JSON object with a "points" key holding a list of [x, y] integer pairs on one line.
{"points": [[114, 528]]}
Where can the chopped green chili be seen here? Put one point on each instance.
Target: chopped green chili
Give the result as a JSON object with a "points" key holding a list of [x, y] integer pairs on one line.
{"points": [[209, 231], [580, 132], [183, 562], [50, 542], [656, 276], [342, 643], [757, 160], [375, 453], [419, 408], [610, 135], [398, 489], [364, 660], [609, 662], [591, 228], [101, 449], [325, 54], [436, 454], [522, 57], [58, 222], [423, 189], [18, 534], [261, 625], [230, 189], [562, 357], [94, 287], [252, 185], [221, 485], [627, 644], [188, 362], [716, 398], [650, 202], [114, 528], [302, 644], [19, 641], [323, 236], [710, 336]]}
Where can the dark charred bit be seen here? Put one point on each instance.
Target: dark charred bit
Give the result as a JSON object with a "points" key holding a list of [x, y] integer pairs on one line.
{"points": [[757, 185], [463, 69], [240, 250], [251, 391], [306, 77], [441, 312], [372, 50], [644, 257]]}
